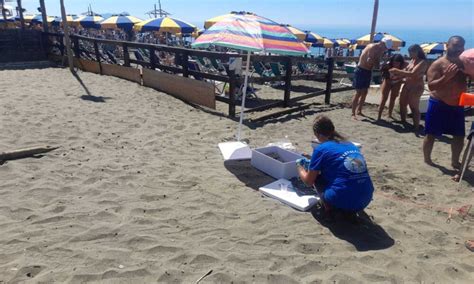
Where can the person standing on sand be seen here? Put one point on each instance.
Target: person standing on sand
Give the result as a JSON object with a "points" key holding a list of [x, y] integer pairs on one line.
{"points": [[414, 84], [391, 83], [369, 59], [446, 83]]}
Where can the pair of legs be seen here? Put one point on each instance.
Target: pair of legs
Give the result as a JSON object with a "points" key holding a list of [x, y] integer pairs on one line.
{"points": [[410, 96], [392, 90], [358, 102], [456, 149]]}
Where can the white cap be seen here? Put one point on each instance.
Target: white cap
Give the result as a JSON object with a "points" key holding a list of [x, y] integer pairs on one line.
{"points": [[388, 42]]}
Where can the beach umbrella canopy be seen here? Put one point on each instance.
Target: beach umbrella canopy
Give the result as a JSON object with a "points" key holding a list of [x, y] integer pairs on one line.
{"points": [[88, 22], [434, 48], [342, 42], [327, 43], [212, 21], [165, 25], [120, 23], [365, 40], [59, 21], [27, 18], [251, 33], [38, 19], [313, 37], [298, 33]]}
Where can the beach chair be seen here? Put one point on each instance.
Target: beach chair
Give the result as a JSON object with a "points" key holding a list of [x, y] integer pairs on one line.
{"points": [[467, 157], [261, 70], [138, 56], [277, 72], [111, 57], [350, 70], [304, 69]]}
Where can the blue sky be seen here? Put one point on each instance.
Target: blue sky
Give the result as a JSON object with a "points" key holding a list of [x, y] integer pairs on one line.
{"points": [[342, 13]]}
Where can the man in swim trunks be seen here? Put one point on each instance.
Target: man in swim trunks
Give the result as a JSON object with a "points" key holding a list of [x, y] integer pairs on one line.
{"points": [[369, 59], [446, 82]]}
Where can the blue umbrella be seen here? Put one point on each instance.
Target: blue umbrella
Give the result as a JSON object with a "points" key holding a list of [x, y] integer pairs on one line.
{"points": [[89, 22]]}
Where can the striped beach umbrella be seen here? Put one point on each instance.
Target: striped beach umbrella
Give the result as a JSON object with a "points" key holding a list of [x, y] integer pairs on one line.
{"points": [[88, 22], [327, 43], [9, 22], [212, 21], [38, 19], [251, 33], [69, 18], [165, 25], [27, 18], [434, 48], [313, 37], [343, 43], [120, 23], [298, 33], [365, 40]]}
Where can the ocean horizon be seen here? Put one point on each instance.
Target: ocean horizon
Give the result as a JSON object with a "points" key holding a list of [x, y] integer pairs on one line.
{"points": [[416, 35]]}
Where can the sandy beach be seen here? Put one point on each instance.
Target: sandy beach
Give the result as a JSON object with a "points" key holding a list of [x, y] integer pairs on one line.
{"points": [[138, 192]]}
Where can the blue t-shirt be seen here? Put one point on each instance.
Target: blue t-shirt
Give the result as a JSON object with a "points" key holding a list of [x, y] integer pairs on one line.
{"points": [[345, 177]]}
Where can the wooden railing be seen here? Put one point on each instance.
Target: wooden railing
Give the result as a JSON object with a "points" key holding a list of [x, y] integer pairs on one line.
{"points": [[148, 56]]}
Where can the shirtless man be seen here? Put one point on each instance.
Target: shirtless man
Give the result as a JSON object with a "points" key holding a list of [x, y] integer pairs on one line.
{"points": [[369, 59], [446, 83]]}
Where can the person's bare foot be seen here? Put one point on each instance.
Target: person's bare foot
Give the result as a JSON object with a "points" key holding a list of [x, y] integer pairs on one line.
{"points": [[360, 113], [456, 177], [354, 117], [429, 162], [470, 245]]}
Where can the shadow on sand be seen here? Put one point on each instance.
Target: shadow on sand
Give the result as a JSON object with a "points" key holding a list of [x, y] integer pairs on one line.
{"points": [[361, 232], [89, 96], [365, 235]]}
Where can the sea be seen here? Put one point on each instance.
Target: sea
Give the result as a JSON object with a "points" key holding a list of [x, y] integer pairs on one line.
{"points": [[409, 35]]}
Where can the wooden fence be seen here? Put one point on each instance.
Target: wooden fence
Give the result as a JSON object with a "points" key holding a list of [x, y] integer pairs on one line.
{"points": [[17, 45], [209, 66]]}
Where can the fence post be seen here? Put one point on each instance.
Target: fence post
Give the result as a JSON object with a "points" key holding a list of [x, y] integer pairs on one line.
{"points": [[152, 58], [184, 63], [329, 77], [232, 87], [289, 67], [61, 44], [126, 55], [76, 47], [97, 56]]}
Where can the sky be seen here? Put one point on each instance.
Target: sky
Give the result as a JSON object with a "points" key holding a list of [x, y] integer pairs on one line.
{"points": [[429, 14]]}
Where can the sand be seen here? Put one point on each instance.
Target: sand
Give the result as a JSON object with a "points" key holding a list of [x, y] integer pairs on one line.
{"points": [[138, 193]]}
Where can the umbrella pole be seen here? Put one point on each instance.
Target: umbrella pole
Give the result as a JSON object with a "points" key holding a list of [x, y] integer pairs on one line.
{"points": [[244, 94]]}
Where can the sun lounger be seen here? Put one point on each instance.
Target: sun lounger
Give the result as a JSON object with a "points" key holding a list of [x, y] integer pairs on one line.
{"points": [[261, 70], [283, 191]]}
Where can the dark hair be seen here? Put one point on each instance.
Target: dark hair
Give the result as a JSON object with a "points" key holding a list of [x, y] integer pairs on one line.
{"points": [[322, 125], [418, 50], [456, 37], [396, 58]]}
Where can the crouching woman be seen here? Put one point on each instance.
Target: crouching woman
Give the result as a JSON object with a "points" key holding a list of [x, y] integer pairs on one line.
{"points": [[338, 170]]}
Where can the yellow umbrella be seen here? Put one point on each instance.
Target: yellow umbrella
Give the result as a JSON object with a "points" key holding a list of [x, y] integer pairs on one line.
{"points": [[313, 37], [212, 21], [434, 48], [120, 23], [343, 43], [298, 33], [397, 43], [327, 43]]}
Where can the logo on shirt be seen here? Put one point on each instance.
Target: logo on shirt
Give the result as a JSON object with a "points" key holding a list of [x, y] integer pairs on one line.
{"points": [[355, 163]]}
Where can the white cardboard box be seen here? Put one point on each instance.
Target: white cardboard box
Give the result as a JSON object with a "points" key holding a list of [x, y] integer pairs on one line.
{"points": [[289, 196], [286, 168]]}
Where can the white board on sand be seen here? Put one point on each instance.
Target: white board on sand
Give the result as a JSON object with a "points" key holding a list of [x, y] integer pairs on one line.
{"points": [[289, 196]]}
